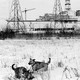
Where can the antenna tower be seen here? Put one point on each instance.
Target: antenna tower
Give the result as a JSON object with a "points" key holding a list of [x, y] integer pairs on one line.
{"points": [[56, 10], [15, 17], [57, 7]]}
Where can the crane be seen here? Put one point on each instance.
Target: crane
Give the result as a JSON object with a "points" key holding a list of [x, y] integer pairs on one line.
{"points": [[27, 10]]}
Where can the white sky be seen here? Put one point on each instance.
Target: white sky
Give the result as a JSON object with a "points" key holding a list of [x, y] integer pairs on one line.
{"points": [[42, 7]]}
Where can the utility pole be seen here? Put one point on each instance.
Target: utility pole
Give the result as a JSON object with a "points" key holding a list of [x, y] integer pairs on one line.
{"points": [[26, 10]]}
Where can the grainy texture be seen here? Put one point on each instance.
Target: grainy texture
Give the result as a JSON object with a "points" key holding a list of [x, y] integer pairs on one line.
{"points": [[64, 53]]}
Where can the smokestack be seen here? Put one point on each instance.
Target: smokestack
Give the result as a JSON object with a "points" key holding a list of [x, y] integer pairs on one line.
{"points": [[67, 5]]}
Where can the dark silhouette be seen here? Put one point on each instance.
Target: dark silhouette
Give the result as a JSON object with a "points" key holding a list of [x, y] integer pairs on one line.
{"points": [[36, 65], [22, 72]]}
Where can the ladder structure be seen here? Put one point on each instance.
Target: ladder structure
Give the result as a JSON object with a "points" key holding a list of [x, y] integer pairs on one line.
{"points": [[56, 10], [57, 7], [15, 17]]}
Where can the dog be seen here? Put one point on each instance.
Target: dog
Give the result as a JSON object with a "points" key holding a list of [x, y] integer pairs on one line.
{"points": [[22, 73], [36, 65]]}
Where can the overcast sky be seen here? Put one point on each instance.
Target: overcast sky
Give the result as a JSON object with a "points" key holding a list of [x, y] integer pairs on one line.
{"points": [[42, 7]]}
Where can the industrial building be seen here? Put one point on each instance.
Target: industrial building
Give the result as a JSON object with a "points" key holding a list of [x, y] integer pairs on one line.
{"points": [[59, 21]]}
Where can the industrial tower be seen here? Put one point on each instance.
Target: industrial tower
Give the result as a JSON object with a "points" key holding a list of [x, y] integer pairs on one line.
{"points": [[56, 10], [67, 5], [57, 7], [15, 17]]}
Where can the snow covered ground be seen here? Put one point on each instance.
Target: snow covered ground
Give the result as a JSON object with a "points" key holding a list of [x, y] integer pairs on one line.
{"points": [[63, 52]]}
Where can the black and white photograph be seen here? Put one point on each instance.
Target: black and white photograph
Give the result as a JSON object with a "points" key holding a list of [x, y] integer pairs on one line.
{"points": [[39, 39]]}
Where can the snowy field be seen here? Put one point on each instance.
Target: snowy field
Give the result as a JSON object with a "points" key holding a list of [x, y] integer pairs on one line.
{"points": [[63, 52]]}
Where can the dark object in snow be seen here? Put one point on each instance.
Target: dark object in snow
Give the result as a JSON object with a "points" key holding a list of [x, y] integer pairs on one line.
{"points": [[60, 64], [22, 73], [36, 65]]}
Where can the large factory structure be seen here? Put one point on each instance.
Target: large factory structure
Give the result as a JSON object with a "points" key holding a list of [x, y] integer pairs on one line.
{"points": [[59, 21]]}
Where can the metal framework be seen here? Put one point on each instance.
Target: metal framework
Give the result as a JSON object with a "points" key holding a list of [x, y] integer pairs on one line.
{"points": [[26, 10], [57, 7], [16, 16], [56, 10], [18, 23]]}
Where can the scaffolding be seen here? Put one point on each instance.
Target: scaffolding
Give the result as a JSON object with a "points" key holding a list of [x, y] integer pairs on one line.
{"points": [[15, 17]]}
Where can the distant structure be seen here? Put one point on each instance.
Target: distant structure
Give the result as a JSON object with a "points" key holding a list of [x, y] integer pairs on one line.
{"points": [[15, 16], [58, 21], [26, 10], [57, 7], [67, 5]]}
